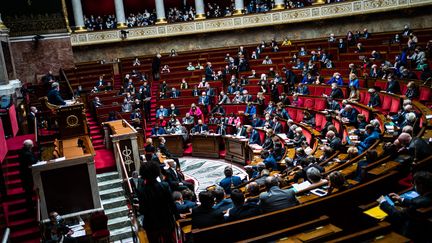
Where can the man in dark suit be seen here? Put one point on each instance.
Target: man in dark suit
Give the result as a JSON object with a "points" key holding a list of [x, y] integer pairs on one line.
{"points": [[241, 209], [392, 86], [205, 215], [218, 109], [31, 120], [221, 130], [406, 219], [276, 198], [173, 111], [100, 83], [26, 159], [200, 127], [209, 72], [136, 184], [374, 100], [349, 115], [174, 93], [54, 95], [195, 91], [268, 141], [253, 136], [204, 99], [336, 92], [156, 130], [277, 126], [256, 121], [156, 64], [176, 179], [241, 131], [333, 141]]}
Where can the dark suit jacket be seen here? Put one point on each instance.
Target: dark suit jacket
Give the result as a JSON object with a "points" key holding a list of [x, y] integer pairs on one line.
{"points": [[175, 112], [203, 129], [55, 98], [254, 138], [204, 100], [393, 87], [257, 122], [26, 159], [374, 100], [336, 93], [276, 199], [408, 220], [335, 143], [244, 211], [205, 217], [208, 73], [175, 94], [277, 127]]}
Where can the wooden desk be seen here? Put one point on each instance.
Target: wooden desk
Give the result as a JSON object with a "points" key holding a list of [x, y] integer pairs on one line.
{"points": [[173, 142], [236, 149], [206, 145]]}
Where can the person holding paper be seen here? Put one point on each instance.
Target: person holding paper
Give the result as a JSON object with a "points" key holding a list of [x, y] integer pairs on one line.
{"points": [[406, 219]]}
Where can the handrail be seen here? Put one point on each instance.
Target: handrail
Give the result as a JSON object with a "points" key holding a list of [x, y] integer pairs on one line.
{"points": [[38, 207], [124, 171], [6, 236], [67, 81]]}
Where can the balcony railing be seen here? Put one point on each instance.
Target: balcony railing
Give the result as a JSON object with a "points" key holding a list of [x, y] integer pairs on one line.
{"points": [[312, 13]]}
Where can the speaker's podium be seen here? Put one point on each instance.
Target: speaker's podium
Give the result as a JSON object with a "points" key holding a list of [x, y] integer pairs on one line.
{"points": [[68, 184], [124, 140]]}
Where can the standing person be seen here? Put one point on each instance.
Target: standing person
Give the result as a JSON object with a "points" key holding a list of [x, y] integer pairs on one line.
{"points": [[27, 159], [157, 205], [156, 64]]}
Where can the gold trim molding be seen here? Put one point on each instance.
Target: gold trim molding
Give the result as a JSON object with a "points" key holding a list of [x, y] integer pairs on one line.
{"points": [[312, 13]]}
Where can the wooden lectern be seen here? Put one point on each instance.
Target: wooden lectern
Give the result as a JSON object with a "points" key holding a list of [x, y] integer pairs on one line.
{"points": [[72, 120], [236, 149], [68, 184], [205, 145], [123, 134], [173, 142]]}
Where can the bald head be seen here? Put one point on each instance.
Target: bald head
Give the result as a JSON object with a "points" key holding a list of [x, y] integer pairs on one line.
{"points": [[404, 139], [28, 143]]}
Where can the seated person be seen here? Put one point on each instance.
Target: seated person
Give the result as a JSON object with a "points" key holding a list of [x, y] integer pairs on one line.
{"points": [[336, 92], [188, 119], [200, 127], [161, 111], [175, 177], [406, 218], [298, 137], [392, 86], [156, 130], [250, 110], [222, 203], [221, 130], [230, 180], [297, 101], [371, 135], [205, 215], [241, 209], [269, 160], [333, 141], [361, 121], [337, 78], [332, 106], [126, 106], [268, 141], [302, 89], [349, 115], [218, 110], [256, 121], [270, 109], [183, 206], [308, 119], [173, 111], [275, 198], [195, 110], [337, 181], [136, 118], [174, 93], [253, 135], [281, 112], [374, 100]]}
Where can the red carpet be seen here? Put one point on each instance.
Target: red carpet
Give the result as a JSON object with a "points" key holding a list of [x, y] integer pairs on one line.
{"points": [[16, 143], [104, 161], [17, 217]]}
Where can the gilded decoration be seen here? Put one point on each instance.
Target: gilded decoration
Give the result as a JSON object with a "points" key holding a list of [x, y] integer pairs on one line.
{"points": [[314, 13]]}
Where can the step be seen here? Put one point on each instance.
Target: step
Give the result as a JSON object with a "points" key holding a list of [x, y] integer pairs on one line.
{"points": [[31, 234], [107, 176], [114, 202], [22, 223], [109, 184], [118, 223], [19, 214], [13, 183], [94, 127], [10, 165], [122, 233], [15, 192], [117, 212], [98, 136], [111, 193], [100, 146]]}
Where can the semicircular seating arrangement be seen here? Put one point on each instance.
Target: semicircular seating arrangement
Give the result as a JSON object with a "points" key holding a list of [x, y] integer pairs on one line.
{"points": [[337, 216]]}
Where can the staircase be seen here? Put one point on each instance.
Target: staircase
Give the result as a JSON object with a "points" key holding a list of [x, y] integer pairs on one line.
{"points": [[23, 224], [115, 206], [153, 107]]}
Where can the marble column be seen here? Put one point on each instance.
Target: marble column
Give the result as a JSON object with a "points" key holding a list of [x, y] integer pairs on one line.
{"points": [[120, 13], [239, 7], [78, 15], [279, 4], [160, 12], [200, 10]]}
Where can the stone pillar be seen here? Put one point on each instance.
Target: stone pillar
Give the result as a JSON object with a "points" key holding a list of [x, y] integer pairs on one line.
{"points": [[4, 33], [239, 7], [279, 4], [78, 15], [120, 13], [200, 10], [160, 12]]}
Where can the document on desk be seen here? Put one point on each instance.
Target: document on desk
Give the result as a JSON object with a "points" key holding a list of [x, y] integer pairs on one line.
{"points": [[301, 186], [376, 212]]}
